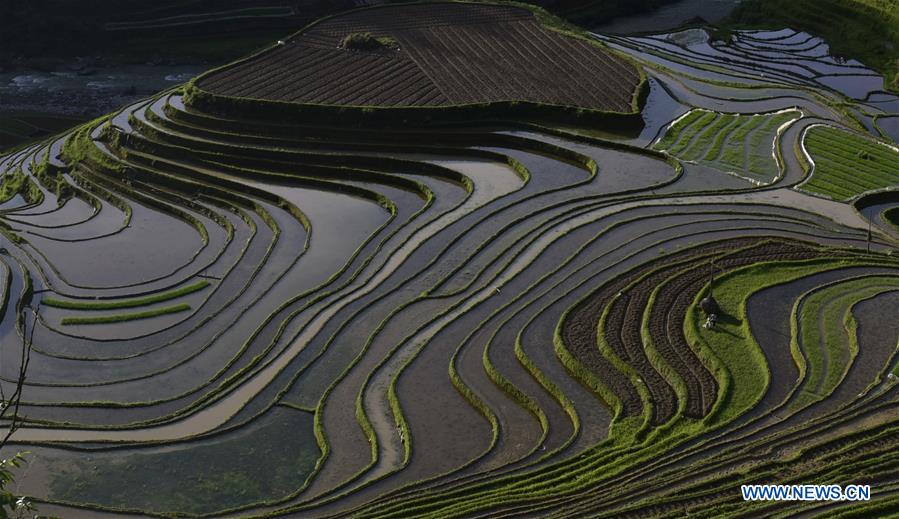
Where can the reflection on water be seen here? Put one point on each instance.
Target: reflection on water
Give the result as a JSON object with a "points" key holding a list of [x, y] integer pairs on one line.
{"points": [[890, 126], [670, 16], [262, 461]]}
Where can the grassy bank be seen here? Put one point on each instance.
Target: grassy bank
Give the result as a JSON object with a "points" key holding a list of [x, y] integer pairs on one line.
{"points": [[128, 303], [121, 318]]}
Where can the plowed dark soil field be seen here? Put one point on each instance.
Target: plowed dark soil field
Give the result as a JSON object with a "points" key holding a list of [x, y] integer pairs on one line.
{"points": [[446, 54]]}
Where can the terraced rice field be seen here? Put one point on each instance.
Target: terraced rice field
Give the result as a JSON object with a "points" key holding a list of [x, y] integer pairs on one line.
{"points": [[742, 144], [848, 165], [863, 29], [243, 314]]}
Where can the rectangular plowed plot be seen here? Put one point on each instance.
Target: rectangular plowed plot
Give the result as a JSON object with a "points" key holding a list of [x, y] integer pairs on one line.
{"points": [[433, 55]]}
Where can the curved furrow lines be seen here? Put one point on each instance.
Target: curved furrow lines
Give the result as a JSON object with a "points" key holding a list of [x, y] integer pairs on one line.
{"points": [[281, 308]]}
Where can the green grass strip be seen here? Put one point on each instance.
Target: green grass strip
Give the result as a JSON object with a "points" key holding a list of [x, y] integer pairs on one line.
{"points": [[732, 153], [723, 136], [672, 135], [119, 318], [730, 142], [701, 145], [686, 135], [847, 165], [761, 162], [128, 303]]}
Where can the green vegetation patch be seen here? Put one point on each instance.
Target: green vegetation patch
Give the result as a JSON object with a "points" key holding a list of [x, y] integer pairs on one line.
{"points": [[847, 165], [731, 341], [741, 144], [18, 183], [367, 41], [128, 303], [119, 318]]}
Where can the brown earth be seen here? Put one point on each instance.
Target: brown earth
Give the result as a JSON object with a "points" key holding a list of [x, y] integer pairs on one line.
{"points": [[445, 54]]}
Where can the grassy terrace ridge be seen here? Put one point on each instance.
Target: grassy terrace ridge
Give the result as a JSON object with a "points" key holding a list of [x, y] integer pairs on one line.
{"points": [[128, 303], [483, 67], [867, 30], [826, 337], [121, 318], [16, 183], [739, 360], [847, 165], [458, 308]]}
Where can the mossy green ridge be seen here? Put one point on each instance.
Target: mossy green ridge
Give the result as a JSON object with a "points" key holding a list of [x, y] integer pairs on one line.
{"points": [[127, 303], [19, 183], [120, 318]]}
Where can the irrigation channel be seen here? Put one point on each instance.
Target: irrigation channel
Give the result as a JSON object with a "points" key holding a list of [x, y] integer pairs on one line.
{"points": [[238, 318]]}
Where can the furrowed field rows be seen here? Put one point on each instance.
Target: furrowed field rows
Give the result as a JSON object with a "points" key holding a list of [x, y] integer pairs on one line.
{"points": [[487, 58], [311, 283], [740, 144]]}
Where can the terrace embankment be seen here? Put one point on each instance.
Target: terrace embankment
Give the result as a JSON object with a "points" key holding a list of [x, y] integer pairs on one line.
{"points": [[491, 315]]}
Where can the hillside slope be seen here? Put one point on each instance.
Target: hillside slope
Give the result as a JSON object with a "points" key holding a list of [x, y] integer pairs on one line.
{"points": [[867, 30]]}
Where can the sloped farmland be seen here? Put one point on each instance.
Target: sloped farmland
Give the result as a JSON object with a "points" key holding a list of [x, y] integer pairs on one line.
{"points": [[443, 54], [256, 306]]}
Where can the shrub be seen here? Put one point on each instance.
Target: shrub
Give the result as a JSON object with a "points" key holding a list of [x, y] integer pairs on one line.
{"points": [[367, 41]]}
